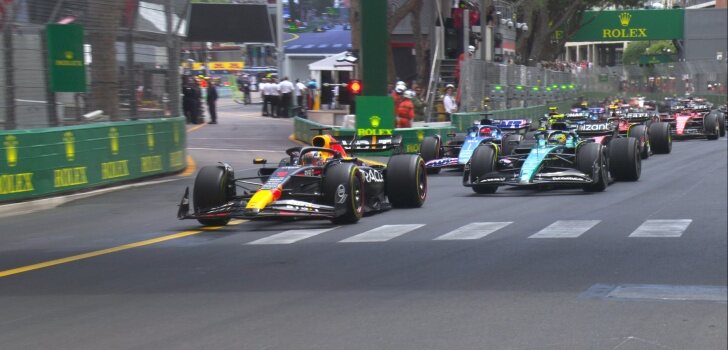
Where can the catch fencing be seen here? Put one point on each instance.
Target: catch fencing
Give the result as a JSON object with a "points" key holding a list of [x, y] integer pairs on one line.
{"points": [[131, 61], [508, 86]]}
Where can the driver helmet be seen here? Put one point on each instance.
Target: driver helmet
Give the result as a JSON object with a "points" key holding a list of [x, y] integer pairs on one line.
{"points": [[409, 94], [557, 138], [315, 158], [553, 110]]}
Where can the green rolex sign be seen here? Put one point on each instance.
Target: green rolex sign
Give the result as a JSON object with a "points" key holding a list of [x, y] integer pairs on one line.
{"points": [[631, 25], [67, 71], [374, 116]]}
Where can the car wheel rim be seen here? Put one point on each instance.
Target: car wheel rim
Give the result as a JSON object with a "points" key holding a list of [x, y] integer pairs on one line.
{"points": [[421, 181], [356, 195]]}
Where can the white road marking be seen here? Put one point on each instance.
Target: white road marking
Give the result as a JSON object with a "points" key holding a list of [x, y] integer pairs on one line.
{"points": [[475, 230], [338, 45], [293, 47], [309, 46], [565, 229], [323, 46], [291, 236], [669, 292], [348, 45], [382, 233], [234, 150], [662, 228]]}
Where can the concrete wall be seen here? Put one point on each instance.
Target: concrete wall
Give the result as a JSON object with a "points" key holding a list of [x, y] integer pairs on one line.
{"points": [[705, 33]]}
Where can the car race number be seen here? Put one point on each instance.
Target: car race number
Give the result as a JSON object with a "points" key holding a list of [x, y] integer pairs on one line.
{"points": [[636, 115]]}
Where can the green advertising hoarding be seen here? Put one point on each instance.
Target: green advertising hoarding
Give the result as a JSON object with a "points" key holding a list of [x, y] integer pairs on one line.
{"points": [[66, 66], [41, 162], [631, 25], [374, 116]]}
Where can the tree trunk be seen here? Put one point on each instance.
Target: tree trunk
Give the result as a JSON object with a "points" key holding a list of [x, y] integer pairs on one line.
{"points": [[355, 21], [104, 70], [396, 16], [420, 56]]}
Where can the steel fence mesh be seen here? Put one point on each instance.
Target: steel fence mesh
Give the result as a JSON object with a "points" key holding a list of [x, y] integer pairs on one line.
{"points": [[131, 54]]}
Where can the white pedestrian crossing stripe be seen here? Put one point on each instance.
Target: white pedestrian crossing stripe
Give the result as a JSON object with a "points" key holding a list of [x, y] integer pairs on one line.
{"points": [[662, 228], [565, 229], [475, 230], [291, 236], [382, 233]]}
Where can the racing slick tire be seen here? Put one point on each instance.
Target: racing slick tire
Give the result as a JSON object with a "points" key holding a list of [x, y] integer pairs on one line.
{"points": [[660, 138], [406, 181], [625, 163], [429, 150], [509, 144], [721, 122], [711, 127], [212, 188], [586, 156], [639, 132], [482, 162], [343, 184]]}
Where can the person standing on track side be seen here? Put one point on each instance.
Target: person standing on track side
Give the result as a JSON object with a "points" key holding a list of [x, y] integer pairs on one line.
{"points": [[286, 90], [275, 99], [406, 110], [300, 92], [212, 100], [263, 88]]}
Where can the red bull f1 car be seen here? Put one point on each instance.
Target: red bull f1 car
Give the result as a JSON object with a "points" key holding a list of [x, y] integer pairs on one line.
{"points": [[321, 181]]}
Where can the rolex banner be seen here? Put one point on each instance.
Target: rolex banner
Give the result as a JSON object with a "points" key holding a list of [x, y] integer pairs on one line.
{"points": [[631, 25], [374, 116], [66, 68]]}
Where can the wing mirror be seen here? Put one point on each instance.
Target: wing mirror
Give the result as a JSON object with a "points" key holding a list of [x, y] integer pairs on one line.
{"points": [[259, 161]]}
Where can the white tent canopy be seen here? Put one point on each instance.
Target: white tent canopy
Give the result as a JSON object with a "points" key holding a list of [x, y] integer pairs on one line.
{"points": [[331, 63]]}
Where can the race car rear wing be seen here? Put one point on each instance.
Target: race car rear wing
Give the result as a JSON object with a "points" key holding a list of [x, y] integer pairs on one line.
{"points": [[373, 143]]}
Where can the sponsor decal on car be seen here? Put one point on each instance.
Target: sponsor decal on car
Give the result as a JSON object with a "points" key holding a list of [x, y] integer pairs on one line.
{"points": [[372, 175], [567, 178], [341, 194], [493, 179], [595, 127]]}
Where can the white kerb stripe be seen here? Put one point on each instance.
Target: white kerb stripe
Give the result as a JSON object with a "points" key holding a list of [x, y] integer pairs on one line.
{"points": [[565, 229], [291, 236], [475, 230], [662, 228], [381, 233]]}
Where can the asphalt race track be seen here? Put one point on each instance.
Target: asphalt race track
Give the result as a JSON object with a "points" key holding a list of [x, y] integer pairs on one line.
{"points": [[640, 266]]}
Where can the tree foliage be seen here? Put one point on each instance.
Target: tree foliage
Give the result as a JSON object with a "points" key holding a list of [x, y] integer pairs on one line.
{"points": [[636, 49], [545, 17]]}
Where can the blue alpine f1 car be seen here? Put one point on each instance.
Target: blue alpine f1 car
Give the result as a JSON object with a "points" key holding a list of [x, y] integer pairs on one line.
{"points": [[456, 152]]}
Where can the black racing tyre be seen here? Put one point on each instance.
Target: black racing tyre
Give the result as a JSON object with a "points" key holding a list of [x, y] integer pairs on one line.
{"points": [[429, 150], [588, 155], [509, 144], [721, 122], [710, 127], [529, 139], [344, 183], [406, 181], [640, 133], [212, 188], [625, 163], [482, 162], [660, 138]]}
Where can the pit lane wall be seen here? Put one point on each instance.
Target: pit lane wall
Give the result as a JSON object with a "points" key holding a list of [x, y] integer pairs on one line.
{"points": [[411, 137], [42, 162]]}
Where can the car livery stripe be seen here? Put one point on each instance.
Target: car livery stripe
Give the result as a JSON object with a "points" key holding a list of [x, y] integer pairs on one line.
{"points": [[532, 163]]}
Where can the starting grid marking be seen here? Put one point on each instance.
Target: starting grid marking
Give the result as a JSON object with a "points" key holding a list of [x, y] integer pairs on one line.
{"points": [[478, 230]]}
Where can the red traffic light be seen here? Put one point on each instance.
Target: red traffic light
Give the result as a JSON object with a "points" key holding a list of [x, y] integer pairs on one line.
{"points": [[354, 87]]}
